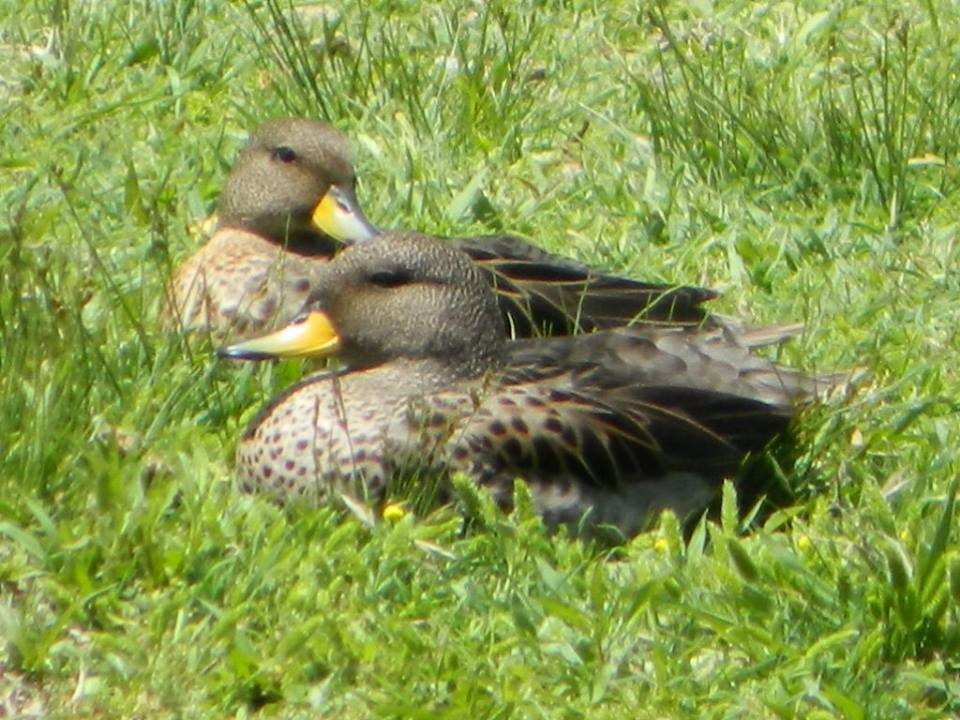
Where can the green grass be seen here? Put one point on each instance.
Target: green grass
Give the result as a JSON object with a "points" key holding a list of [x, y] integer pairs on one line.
{"points": [[799, 156]]}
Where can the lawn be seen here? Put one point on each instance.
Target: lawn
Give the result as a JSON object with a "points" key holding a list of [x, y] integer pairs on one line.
{"points": [[798, 156]]}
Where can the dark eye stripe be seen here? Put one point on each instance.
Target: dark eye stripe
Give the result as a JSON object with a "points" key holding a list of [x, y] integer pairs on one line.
{"points": [[390, 278]]}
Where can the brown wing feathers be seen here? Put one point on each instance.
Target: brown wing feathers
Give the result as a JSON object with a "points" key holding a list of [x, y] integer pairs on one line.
{"points": [[540, 292]]}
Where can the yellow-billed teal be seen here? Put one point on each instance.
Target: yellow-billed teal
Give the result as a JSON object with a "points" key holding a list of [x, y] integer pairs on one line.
{"points": [[254, 273], [290, 199], [615, 425]]}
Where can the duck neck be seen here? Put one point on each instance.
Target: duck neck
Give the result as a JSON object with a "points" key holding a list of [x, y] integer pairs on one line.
{"points": [[298, 240], [420, 376], [309, 244]]}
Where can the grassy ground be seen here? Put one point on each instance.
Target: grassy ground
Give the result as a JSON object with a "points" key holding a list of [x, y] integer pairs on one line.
{"points": [[799, 156]]}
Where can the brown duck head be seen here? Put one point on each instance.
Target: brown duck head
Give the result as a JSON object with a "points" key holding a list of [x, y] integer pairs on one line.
{"points": [[295, 184], [402, 297]]}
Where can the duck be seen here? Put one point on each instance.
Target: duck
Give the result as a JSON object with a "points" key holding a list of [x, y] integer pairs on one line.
{"points": [[606, 429], [290, 204]]}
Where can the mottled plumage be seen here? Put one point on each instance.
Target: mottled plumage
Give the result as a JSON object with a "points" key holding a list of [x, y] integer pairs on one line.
{"points": [[239, 282], [290, 199], [618, 424], [254, 273]]}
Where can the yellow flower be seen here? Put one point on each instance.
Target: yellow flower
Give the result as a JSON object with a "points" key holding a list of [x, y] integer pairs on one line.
{"points": [[394, 512]]}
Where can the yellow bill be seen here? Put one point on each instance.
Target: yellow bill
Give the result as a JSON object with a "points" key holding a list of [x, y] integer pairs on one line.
{"points": [[309, 335], [338, 215]]}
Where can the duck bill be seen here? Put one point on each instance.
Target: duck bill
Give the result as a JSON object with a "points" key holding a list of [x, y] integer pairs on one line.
{"points": [[338, 215], [310, 335]]}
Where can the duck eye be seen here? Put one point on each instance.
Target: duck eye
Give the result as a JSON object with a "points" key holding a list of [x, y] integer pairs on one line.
{"points": [[390, 278], [284, 154]]}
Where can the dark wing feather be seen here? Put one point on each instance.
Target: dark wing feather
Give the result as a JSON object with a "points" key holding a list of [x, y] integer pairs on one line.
{"points": [[632, 404], [541, 292], [720, 360]]}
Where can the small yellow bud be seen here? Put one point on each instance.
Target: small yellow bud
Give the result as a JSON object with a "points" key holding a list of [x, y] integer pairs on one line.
{"points": [[803, 542], [394, 512], [661, 545]]}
